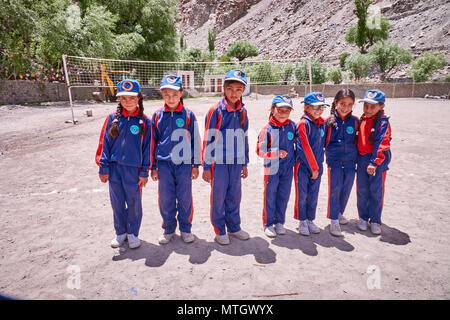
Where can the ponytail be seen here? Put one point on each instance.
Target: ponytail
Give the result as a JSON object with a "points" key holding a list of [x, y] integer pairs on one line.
{"points": [[331, 122], [241, 114], [114, 128]]}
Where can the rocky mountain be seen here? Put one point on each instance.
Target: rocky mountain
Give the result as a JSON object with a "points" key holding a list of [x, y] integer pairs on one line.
{"points": [[299, 28]]}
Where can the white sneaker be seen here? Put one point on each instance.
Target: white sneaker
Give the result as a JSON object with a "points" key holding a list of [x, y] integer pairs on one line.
{"points": [[335, 228], [375, 228], [187, 237], [303, 228], [362, 225], [241, 235], [165, 238], [223, 240], [118, 240], [133, 241], [270, 232], [342, 219], [312, 227], [279, 228]]}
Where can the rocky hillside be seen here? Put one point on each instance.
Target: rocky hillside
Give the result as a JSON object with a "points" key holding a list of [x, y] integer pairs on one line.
{"points": [[298, 28]]}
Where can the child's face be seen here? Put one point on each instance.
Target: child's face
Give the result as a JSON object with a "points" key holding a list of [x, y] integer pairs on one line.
{"points": [[130, 103], [344, 106], [171, 97], [372, 109], [282, 113], [314, 111], [233, 91]]}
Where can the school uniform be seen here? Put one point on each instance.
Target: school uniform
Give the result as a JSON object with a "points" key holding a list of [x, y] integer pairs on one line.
{"points": [[125, 159], [175, 150], [310, 145], [225, 152], [278, 173], [370, 189], [341, 157]]}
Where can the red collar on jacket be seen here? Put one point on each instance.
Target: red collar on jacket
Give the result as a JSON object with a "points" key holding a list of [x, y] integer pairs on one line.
{"points": [[318, 122], [178, 109], [277, 123], [373, 117], [230, 108], [126, 115]]}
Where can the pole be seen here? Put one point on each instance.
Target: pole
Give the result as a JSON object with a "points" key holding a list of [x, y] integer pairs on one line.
{"points": [[310, 74], [68, 87]]}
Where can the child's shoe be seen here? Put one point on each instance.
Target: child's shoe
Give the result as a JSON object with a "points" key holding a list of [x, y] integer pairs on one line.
{"points": [[118, 240], [187, 237], [133, 241], [303, 228], [165, 238], [279, 228], [362, 225], [241, 235], [270, 232], [223, 240], [312, 227], [375, 228], [335, 228], [342, 219]]}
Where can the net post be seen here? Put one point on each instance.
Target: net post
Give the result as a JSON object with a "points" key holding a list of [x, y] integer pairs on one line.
{"points": [[69, 89]]}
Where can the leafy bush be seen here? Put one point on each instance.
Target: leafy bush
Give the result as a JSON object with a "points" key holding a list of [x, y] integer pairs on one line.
{"points": [[359, 65], [388, 55], [242, 50], [335, 74], [423, 67], [318, 71]]}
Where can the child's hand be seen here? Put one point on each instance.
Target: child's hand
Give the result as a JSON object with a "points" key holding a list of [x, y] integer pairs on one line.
{"points": [[283, 154], [143, 182], [371, 169], [194, 173], [206, 175], [154, 175], [104, 177], [315, 174], [244, 172]]}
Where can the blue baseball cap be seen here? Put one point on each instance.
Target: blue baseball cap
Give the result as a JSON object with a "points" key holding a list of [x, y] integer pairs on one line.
{"points": [[128, 87], [236, 75], [374, 96], [282, 101], [315, 99], [171, 82]]}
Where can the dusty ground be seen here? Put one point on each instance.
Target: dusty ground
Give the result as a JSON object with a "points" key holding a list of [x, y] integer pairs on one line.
{"points": [[56, 219]]}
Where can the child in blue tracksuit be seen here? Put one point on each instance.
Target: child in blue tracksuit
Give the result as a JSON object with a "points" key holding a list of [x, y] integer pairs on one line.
{"points": [[225, 157], [175, 150], [123, 155], [276, 144], [374, 156], [341, 155], [308, 168]]}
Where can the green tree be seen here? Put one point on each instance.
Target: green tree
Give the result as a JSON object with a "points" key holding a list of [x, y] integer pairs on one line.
{"points": [[342, 58], [242, 50], [211, 39], [359, 65], [423, 67], [334, 74], [318, 71], [368, 29], [388, 55]]}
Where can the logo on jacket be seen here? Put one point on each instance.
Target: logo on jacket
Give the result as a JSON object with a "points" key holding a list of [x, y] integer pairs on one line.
{"points": [[134, 129], [290, 135], [322, 133], [180, 123], [350, 130]]}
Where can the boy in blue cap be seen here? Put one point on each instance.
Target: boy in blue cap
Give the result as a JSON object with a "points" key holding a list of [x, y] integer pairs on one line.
{"points": [[225, 162], [123, 155], [374, 156], [276, 145], [308, 169], [175, 159]]}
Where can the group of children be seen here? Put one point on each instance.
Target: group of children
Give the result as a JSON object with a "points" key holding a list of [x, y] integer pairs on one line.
{"points": [[168, 146]]}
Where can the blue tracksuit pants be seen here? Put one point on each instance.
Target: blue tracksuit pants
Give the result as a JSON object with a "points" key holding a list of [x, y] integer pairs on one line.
{"points": [[277, 189], [340, 183], [306, 192], [175, 195], [126, 198], [226, 198], [369, 191]]}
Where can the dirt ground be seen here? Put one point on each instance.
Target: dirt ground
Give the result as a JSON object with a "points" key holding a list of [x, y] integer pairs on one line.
{"points": [[57, 222]]}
